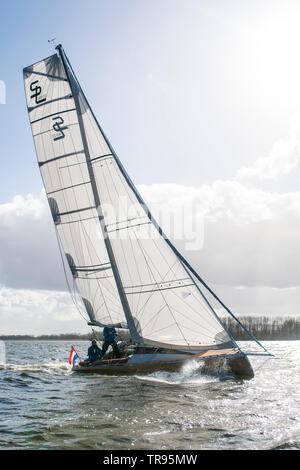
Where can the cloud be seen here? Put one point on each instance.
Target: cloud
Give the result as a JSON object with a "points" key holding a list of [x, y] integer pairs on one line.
{"points": [[26, 311], [230, 199], [245, 235], [249, 238], [256, 300], [282, 159], [29, 255]]}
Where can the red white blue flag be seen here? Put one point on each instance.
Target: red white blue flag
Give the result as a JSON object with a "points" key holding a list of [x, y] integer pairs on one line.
{"points": [[73, 357]]}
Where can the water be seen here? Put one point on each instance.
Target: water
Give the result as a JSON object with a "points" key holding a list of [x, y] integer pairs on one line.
{"points": [[43, 405]]}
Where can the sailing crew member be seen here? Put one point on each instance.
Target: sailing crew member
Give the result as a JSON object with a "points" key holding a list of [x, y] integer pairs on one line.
{"points": [[109, 333], [94, 352]]}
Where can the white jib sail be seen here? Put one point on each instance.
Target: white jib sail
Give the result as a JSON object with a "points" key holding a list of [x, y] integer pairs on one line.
{"points": [[122, 265]]}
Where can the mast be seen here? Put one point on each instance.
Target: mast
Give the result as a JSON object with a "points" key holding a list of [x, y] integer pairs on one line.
{"points": [[182, 259], [129, 318], [186, 265]]}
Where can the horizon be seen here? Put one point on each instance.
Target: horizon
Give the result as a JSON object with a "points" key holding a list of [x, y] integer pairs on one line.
{"points": [[284, 328], [202, 104]]}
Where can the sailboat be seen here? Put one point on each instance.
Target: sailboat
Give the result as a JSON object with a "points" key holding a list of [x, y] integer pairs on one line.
{"points": [[126, 270]]}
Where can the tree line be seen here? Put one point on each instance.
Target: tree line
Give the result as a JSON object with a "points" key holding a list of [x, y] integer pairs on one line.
{"points": [[63, 337], [264, 328]]}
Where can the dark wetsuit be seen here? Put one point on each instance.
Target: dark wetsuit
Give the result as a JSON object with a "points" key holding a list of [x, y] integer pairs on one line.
{"points": [[109, 334], [94, 353]]}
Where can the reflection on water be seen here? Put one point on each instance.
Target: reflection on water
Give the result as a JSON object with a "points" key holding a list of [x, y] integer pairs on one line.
{"points": [[43, 405]]}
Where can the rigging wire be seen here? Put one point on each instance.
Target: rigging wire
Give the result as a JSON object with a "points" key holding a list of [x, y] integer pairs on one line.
{"points": [[147, 211]]}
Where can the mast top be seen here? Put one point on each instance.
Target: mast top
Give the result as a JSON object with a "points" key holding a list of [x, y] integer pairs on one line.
{"points": [[52, 41]]}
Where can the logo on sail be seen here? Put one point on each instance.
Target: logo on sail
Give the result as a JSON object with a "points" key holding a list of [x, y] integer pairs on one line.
{"points": [[37, 91], [57, 126]]}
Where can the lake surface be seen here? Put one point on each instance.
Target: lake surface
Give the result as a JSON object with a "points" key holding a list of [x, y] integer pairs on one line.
{"points": [[43, 405]]}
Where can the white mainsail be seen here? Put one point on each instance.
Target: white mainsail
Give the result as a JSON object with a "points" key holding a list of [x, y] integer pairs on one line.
{"points": [[123, 267], [61, 157]]}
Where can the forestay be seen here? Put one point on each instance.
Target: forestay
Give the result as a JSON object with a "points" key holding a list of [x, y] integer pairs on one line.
{"points": [[121, 263]]}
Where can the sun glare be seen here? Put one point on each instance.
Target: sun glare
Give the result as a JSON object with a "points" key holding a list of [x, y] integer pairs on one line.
{"points": [[272, 50]]}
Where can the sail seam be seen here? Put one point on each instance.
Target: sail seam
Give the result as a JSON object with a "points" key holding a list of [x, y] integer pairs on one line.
{"points": [[46, 75], [32, 108], [157, 283], [96, 279], [66, 155], [87, 270], [128, 227], [85, 162], [69, 187], [78, 220], [127, 220], [53, 114], [158, 290], [92, 160], [75, 211], [91, 266]]}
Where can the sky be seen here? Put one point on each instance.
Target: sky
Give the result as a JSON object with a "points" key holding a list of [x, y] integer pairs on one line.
{"points": [[201, 101]]}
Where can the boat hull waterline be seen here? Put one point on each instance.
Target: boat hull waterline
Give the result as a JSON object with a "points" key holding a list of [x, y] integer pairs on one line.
{"points": [[237, 362]]}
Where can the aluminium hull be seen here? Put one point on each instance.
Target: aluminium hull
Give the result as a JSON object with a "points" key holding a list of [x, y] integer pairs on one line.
{"points": [[237, 362]]}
